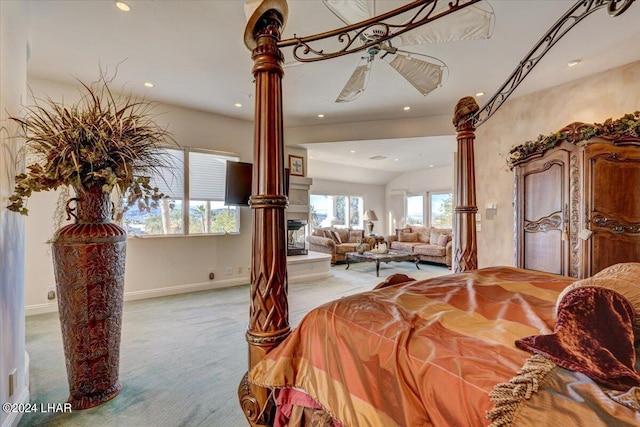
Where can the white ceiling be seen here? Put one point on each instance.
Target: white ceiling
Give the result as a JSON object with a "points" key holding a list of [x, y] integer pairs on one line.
{"points": [[193, 52]]}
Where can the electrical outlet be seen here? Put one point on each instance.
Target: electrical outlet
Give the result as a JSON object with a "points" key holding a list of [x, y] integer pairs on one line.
{"points": [[51, 293], [228, 270], [211, 274]]}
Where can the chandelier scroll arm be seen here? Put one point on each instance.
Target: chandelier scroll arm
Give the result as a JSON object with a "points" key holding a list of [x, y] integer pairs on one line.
{"points": [[423, 10]]}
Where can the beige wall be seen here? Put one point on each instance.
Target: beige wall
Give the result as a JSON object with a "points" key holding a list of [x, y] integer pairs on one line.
{"points": [[591, 100]]}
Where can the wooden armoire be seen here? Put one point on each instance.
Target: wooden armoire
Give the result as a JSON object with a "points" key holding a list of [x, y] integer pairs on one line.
{"points": [[577, 205]]}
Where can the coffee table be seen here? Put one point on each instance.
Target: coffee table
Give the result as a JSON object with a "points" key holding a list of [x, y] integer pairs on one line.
{"points": [[378, 258]]}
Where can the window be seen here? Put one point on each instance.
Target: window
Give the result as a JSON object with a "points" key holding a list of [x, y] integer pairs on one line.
{"points": [[415, 209], [336, 211], [441, 210], [197, 180]]}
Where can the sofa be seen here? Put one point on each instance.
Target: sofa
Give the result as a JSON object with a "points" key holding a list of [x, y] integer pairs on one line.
{"points": [[338, 241], [429, 243]]}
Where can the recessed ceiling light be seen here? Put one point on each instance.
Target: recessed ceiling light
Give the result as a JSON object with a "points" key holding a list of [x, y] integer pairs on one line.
{"points": [[479, 93], [148, 84], [123, 6], [430, 166], [573, 62], [237, 105], [352, 151], [321, 115], [407, 108], [396, 160]]}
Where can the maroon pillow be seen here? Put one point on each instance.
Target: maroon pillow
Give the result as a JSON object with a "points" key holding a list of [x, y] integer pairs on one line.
{"points": [[593, 335]]}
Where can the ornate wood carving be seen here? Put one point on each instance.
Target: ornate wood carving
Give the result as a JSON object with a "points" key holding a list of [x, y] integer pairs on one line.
{"points": [[574, 216], [615, 225], [269, 311], [551, 222], [620, 132], [466, 247]]}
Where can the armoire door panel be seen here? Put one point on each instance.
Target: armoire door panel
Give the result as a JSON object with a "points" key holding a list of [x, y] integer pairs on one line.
{"points": [[610, 248], [616, 182], [612, 186], [542, 192], [541, 212], [544, 251]]}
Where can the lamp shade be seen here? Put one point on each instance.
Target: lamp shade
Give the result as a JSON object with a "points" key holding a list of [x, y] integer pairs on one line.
{"points": [[370, 215]]}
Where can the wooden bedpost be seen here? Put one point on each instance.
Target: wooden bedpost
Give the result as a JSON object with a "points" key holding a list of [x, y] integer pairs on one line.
{"points": [[269, 311], [466, 247]]}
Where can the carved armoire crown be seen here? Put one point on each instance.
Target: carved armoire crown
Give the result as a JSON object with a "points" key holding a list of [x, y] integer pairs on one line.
{"points": [[577, 205]]}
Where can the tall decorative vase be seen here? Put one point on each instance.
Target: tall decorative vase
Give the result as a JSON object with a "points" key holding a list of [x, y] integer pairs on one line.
{"points": [[89, 263]]}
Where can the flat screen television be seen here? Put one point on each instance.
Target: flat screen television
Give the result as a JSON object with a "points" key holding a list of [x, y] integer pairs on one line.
{"points": [[238, 183]]}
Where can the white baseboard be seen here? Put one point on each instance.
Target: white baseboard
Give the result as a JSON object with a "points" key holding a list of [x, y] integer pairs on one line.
{"points": [[50, 307], [13, 418], [183, 289], [151, 293]]}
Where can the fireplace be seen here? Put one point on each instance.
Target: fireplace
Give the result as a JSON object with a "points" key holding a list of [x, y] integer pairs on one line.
{"points": [[296, 234]]}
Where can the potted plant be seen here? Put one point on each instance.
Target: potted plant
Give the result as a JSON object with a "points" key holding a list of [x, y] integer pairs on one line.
{"points": [[101, 143]]}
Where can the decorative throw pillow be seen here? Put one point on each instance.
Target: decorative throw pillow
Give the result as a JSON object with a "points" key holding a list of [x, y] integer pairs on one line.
{"points": [[423, 237], [336, 237], [356, 236], [443, 239], [330, 234], [408, 237], [433, 237], [402, 230]]}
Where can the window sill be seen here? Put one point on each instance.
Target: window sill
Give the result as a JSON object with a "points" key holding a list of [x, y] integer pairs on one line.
{"points": [[176, 236]]}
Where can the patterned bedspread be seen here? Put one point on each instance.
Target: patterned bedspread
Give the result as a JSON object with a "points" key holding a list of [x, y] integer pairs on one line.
{"points": [[422, 353]]}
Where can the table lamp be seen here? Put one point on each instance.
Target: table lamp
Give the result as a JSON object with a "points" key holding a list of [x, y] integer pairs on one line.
{"points": [[370, 216]]}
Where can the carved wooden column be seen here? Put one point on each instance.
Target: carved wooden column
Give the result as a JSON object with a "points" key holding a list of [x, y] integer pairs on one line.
{"points": [[466, 255], [269, 312]]}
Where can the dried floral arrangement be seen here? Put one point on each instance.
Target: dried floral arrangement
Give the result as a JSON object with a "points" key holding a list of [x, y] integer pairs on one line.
{"points": [[627, 126], [105, 139]]}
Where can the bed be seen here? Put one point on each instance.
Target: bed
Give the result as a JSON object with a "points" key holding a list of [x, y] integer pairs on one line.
{"points": [[478, 347], [431, 353]]}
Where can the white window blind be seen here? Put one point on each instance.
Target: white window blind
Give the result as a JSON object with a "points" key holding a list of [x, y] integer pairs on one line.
{"points": [[207, 175]]}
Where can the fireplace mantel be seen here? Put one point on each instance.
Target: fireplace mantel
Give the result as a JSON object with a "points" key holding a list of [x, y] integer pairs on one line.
{"points": [[299, 198]]}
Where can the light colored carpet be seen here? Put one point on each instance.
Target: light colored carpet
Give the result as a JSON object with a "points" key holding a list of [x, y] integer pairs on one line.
{"points": [[182, 356]]}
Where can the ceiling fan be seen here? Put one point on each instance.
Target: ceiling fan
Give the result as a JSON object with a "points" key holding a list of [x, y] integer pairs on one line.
{"points": [[424, 72]]}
